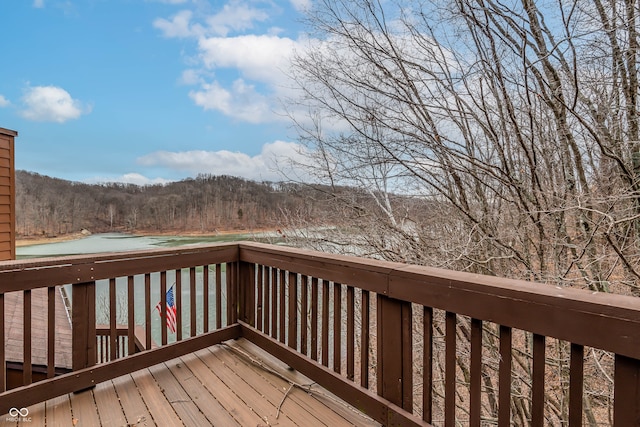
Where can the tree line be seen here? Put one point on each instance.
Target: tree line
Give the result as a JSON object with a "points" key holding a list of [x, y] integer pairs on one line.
{"points": [[47, 206]]}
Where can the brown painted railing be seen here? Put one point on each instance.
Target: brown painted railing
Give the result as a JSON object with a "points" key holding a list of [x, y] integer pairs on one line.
{"points": [[407, 345]]}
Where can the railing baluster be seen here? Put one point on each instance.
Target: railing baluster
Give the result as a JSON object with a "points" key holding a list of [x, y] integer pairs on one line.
{"points": [[475, 392], [407, 355], [113, 338], [83, 321], [163, 307], [304, 296], [537, 394], [281, 326], [504, 378], [179, 304], [260, 290], [427, 364], [218, 296], [205, 299], [266, 305], [51, 331], [147, 311], [325, 323], [394, 342], [576, 382], [293, 311], [193, 330], [450, 370], [364, 339], [626, 399], [232, 293], [26, 342], [131, 314], [247, 292], [350, 333], [337, 328], [274, 303], [314, 318], [235, 294], [3, 363]]}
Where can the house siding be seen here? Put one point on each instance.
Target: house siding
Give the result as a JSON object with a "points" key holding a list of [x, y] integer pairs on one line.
{"points": [[7, 195]]}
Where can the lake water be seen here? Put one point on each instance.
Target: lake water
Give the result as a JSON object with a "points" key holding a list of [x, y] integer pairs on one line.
{"points": [[115, 242], [118, 242]]}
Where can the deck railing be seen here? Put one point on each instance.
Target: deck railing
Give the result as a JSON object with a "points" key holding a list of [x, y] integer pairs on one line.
{"points": [[106, 341], [407, 345]]}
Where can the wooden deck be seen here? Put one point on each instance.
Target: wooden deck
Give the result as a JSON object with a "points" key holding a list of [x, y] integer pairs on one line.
{"points": [[232, 384], [14, 328]]}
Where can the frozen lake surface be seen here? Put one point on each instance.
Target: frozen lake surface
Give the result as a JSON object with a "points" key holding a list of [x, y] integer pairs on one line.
{"points": [[120, 242], [117, 242]]}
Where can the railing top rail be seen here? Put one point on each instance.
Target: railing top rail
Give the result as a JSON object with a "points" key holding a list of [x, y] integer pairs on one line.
{"points": [[607, 321], [43, 272]]}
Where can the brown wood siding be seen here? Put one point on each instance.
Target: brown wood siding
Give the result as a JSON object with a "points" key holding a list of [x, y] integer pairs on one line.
{"points": [[7, 194]]}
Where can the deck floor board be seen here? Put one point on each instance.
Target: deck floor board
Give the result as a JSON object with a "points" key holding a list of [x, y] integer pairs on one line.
{"points": [[232, 384], [173, 391], [58, 412], [84, 408], [108, 405], [274, 391], [210, 406], [322, 397], [133, 406], [223, 385], [245, 392], [243, 414]]}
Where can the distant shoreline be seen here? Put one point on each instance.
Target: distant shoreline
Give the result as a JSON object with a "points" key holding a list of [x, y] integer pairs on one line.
{"points": [[31, 241], [37, 240]]}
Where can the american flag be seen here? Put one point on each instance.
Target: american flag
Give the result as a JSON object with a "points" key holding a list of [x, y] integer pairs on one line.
{"points": [[171, 310]]}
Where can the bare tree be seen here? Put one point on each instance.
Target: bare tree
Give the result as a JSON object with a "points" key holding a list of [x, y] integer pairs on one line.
{"points": [[499, 138], [515, 126]]}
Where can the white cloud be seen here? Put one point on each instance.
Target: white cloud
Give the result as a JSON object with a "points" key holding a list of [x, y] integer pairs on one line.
{"points": [[4, 102], [178, 26], [260, 60], [235, 16], [250, 69], [258, 57], [39, 4], [301, 5], [268, 165], [190, 77], [51, 104], [241, 102]]}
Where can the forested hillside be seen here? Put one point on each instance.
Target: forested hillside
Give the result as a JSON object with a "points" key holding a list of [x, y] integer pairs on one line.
{"points": [[51, 206]]}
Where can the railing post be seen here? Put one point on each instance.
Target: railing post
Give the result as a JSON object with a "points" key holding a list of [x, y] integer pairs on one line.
{"points": [[395, 365], [83, 323], [626, 395], [247, 293]]}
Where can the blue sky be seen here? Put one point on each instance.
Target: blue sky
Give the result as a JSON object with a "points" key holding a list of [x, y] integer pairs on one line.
{"points": [[148, 91]]}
